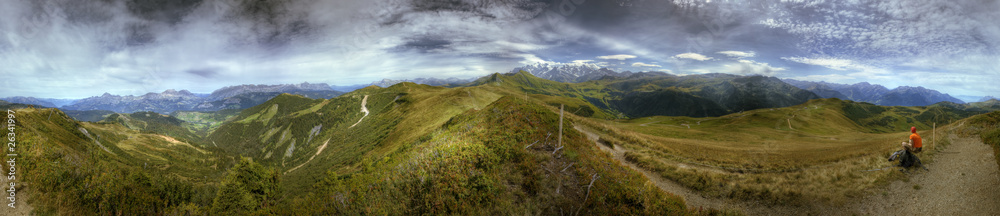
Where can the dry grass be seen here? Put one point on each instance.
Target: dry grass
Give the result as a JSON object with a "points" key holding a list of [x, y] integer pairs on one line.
{"points": [[756, 156]]}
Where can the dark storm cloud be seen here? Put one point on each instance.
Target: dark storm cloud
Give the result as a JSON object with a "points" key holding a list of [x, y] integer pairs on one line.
{"points": [[424, 44], [271, 24], [463, 25], [166, 11], [139, 34], [208, 72]]}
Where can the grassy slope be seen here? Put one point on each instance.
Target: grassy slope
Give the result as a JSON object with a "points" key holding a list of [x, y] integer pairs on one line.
{"points": [[487, 161], [808, 152], [89, 115], [204, 123], [153, 122], [140, 173], [987, 126], [398, 114], [404, 121]]}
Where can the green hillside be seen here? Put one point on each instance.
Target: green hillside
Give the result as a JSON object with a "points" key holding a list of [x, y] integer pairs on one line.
{"points": [[203, 123], [305, 138], [501, 159], [804, 153], [81, 168], [89, 115], [323, 150], [649, 95], [152, 122]]}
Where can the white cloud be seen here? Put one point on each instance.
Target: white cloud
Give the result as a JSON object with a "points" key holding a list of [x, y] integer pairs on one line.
{"points": [[693, 56], [700, 71], [582, 61], [620, 57], [832, 63], [640, 64], [738, 54], [748, 67]]}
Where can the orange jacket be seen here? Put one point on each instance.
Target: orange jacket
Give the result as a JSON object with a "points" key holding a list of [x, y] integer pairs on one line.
{"points": [[917, 142]]}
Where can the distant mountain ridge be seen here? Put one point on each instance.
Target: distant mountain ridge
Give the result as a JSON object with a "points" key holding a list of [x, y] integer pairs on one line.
{"points": [[230, 91], [988, 98], [569, 72], [28, 100], [427, 81], [231, 97], [655, 93], [876, 94]]}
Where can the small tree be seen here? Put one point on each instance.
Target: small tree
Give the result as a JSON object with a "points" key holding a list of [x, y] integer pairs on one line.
{"points": [[248, 189]]}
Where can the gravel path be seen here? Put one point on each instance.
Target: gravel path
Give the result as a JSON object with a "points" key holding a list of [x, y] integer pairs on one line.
{"points": [[963, 180]]}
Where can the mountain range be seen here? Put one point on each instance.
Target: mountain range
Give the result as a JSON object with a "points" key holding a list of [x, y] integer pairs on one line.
{"points": [[231, 97], [862, 92], [569, 72], [876, 94], [427, 81], [707, 94], [656, 93]]}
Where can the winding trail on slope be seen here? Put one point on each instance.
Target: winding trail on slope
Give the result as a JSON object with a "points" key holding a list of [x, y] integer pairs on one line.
{"points": [[310, 158], [963, 180], [691, 197], [363, 109]]}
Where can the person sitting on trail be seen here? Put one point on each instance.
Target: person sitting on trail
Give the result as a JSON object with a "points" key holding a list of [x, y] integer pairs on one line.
{"points": [[915, 144]]}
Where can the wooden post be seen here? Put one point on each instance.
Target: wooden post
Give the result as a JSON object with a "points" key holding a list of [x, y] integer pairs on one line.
{"points": [[560, 123], [934, 135]]}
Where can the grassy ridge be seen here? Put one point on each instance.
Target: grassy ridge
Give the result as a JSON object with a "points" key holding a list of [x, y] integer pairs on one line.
{"points": [[288, 132], [71, 174], [487, 161]]}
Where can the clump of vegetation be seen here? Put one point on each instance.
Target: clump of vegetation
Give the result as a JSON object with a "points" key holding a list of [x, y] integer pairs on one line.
{"points": [[248, 189], [71, 175]]}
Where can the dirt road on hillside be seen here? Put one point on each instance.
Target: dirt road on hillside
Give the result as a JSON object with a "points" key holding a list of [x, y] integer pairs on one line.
{"points": [[364, 109], [320, 150], [963, 180]]}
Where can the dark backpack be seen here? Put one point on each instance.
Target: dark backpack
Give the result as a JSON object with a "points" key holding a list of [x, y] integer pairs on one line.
{"points": [[906, 159]]}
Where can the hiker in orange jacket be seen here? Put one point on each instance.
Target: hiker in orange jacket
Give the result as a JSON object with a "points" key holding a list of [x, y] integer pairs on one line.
{"points": [[915, 144]]}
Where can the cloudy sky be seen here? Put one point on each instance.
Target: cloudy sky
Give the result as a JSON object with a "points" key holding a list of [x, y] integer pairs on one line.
{"points": [[75, 49]]}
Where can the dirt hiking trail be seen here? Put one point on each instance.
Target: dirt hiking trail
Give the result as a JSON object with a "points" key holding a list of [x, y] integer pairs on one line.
{"points": [[963, 180]]}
